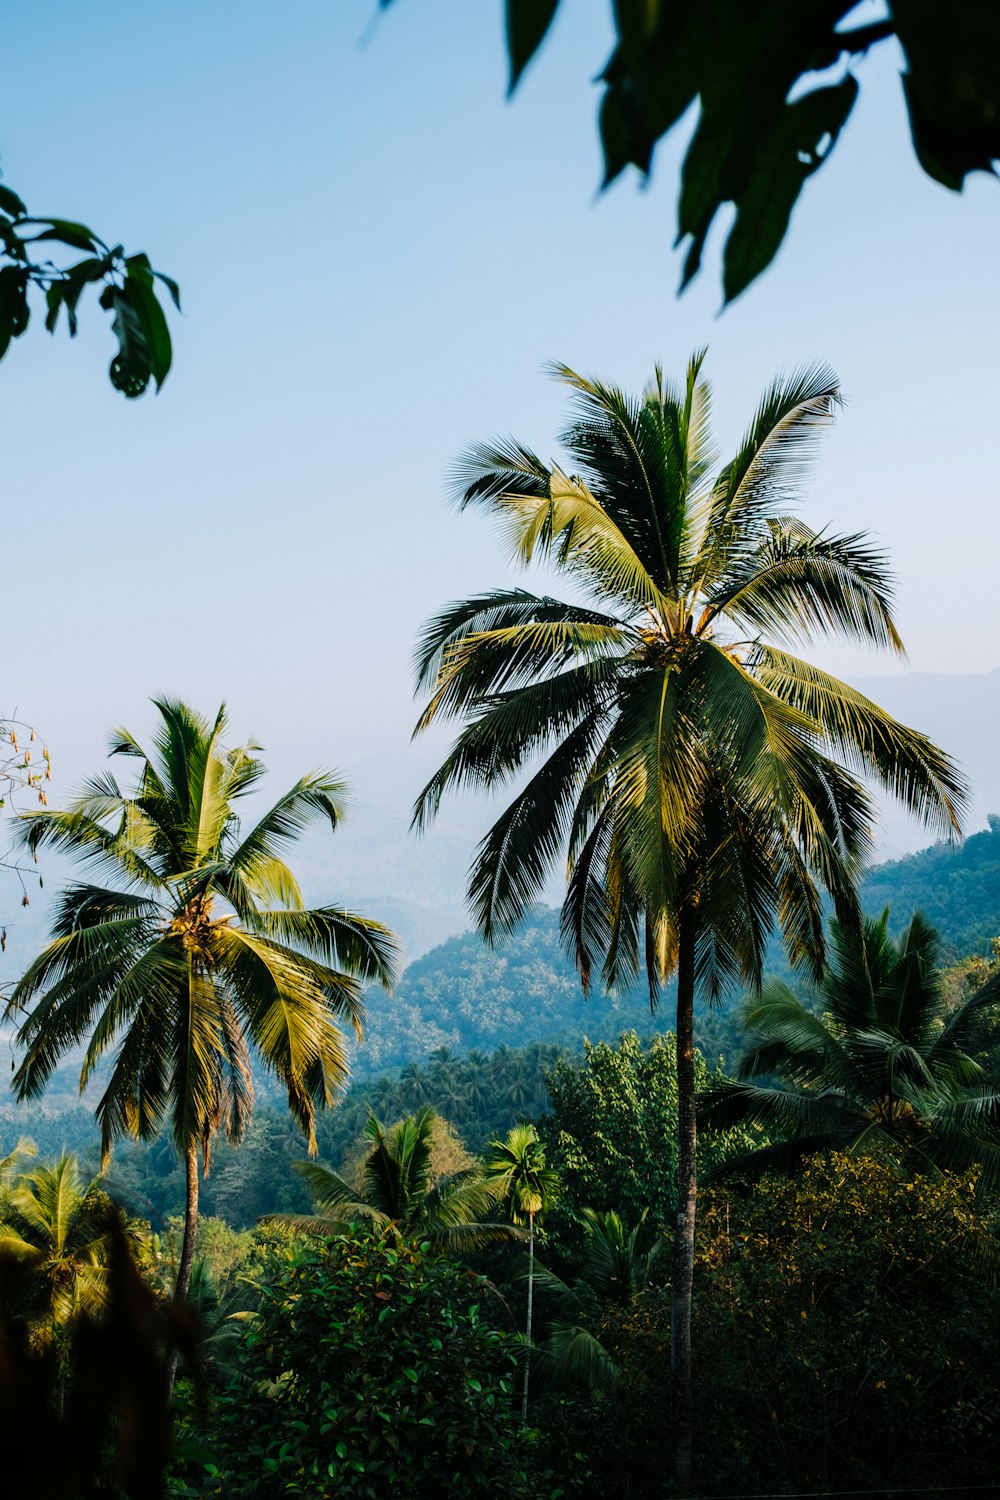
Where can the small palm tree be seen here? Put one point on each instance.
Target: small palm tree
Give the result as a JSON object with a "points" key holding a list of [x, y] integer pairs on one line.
{"points": [[198, 955], [517, 1172], [618, 1264], [883, 1068], [398, 1192], [56, 1226]]}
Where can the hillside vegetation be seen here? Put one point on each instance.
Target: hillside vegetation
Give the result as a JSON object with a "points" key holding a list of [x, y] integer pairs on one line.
{"points": [[464, 994]]}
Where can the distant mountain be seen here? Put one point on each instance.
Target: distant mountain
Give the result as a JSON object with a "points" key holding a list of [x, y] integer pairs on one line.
{"points": [[464, 995]]}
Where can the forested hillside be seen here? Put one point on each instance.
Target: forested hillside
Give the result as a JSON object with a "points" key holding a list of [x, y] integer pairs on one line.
{"points": [[957, 889], [463, 994]]}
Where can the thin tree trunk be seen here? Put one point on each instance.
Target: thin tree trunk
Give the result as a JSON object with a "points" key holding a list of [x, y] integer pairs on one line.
{"points": [[687, 1191], [531, 1289], [187, 1248]]}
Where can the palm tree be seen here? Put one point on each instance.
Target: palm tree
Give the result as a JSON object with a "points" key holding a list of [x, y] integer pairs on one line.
{"points": [[56, 1226], [701, 778], [883, 1068], [618, 1264], [517, 1172], [198, 955], [398, 1192]]}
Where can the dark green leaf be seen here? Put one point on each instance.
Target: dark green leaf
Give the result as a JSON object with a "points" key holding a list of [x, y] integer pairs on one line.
{"points": [[172, 288], [527, 23], [67, 233], [797, 146], [11, 203]]}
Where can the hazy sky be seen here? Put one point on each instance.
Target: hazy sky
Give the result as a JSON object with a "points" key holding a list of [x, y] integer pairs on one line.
{"points": [[377, 255]]}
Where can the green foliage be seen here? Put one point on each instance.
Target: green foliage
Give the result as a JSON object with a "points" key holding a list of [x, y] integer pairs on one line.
{"points": [[55, 1228], [612, 1130], [84, 1341], [371, 1369], [127, 290], [955, 886], [884, 1069], [398, 1191], [847, 1336], [775, 83]]}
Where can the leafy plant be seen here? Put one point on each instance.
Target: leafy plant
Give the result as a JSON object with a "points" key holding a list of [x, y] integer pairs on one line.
{"points": [[883, 1069], [128, 291], [847, 1342], [371, 1369], [611, 1134], [398, 1192], [515, 1168]]}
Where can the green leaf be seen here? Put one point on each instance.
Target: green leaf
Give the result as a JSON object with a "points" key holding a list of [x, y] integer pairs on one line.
{"points": [[14, 311], [172, 288], [11, 203], [131, 368], [156, 334], [796, 147], [527, 23]]}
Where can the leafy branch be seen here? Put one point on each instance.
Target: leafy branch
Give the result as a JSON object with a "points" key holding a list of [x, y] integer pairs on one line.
{"points": [[127, 290], [774, 83]]}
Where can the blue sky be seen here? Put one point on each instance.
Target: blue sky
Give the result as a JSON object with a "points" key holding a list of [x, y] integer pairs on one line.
{"points": [[377, 255]]}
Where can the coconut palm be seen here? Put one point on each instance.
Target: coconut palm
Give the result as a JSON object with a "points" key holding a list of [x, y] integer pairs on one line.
{"points": [[56, 1226], [700, 778], [883, 1068], [198, 955], [515, 1168], [398, 1192]]}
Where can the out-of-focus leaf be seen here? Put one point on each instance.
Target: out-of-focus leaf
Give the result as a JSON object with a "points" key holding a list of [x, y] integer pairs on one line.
{"points": [[156, 334], [795, 150], [527, 23], [14, 312], [131, 367], [11, 203], [746, 65], [77, 236]]}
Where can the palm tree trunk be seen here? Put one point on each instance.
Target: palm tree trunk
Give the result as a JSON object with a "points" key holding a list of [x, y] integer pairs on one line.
{"points": [[187, 1248], [682, 1279], [531, 1289]]}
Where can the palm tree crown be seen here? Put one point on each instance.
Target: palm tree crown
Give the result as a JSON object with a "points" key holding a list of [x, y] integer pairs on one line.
{"points": [[200, 951], [398, 1190], [691, 758], [57, 1226], [883, 1068]]}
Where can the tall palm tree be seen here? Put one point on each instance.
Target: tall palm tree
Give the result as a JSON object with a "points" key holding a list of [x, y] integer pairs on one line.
{"points": [[198, 955], [883, 1068], [701, 778], [517, 1172], [398, 1191]]}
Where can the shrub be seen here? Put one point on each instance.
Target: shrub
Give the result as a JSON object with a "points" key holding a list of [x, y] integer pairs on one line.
{"points": [[371, 1370], [847, 1337]]}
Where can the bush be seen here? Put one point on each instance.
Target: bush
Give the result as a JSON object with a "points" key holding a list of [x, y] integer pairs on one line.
{"points": [[846, 1337], [370, 1370]]}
